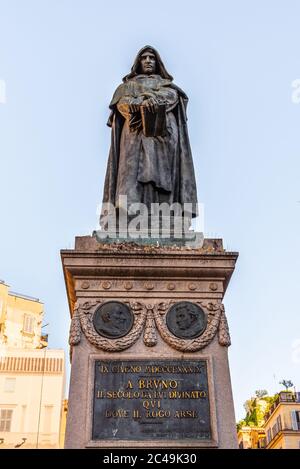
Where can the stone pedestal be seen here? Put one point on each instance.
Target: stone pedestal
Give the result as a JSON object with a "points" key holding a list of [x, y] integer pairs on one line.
{"points": [[149, 387]]}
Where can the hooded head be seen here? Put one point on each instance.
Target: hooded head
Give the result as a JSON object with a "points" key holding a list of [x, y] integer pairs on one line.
{"points": [[136, 68]]}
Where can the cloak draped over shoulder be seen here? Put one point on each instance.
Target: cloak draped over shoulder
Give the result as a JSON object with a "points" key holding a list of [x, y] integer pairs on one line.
{"points": [[149, 169]]}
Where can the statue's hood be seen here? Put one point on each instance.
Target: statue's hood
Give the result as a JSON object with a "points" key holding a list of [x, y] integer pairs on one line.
{"points": [[160, 68]]}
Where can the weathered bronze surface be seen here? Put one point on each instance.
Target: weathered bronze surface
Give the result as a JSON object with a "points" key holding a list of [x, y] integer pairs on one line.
{"points": [[186, 320], [150, 159], [113, 319], [151, 400]]}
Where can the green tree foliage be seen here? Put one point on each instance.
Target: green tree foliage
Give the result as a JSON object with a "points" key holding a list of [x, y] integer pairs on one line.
{"points": [[256, 409]]}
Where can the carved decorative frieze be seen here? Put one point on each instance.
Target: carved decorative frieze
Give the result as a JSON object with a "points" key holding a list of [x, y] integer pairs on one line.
{"points": [[158, 285], [215, 318], [224, 335], [149, 318], [85, 285], [150, 337], [75, 329], [106, 285], [85, 312]]}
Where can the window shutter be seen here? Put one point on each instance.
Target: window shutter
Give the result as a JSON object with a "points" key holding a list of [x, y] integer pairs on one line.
{"points": [[278, 421], [294, 420], [28, 324]]}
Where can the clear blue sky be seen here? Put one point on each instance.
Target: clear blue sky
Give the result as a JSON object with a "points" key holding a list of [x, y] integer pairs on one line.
{"points": [[61, 61]]}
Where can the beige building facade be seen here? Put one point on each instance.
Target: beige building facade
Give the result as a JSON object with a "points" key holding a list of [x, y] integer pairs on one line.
{"points": [[280, 428], [251, 438], [21, 319], [282, 422], [32, 377]]}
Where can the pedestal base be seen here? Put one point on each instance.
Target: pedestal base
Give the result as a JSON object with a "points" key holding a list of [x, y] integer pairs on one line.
{"points": [[153, 386], [189, 239]]}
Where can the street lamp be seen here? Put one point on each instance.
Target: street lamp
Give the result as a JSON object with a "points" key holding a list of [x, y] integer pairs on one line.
{"points": [[41, 392]]}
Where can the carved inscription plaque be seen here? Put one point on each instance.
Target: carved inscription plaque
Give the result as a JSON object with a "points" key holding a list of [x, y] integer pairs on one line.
{"points": [[151, 400]]}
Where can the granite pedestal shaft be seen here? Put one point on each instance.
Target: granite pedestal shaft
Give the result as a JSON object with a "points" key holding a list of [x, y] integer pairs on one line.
{"points": [[149, 386]]}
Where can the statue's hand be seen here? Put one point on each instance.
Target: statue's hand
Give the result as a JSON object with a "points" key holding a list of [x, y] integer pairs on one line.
{"points": [[135, 104], [151, 104]]}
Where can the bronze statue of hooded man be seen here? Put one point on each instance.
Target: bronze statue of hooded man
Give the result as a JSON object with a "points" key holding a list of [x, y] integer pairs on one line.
{"points": [[150, 159]]}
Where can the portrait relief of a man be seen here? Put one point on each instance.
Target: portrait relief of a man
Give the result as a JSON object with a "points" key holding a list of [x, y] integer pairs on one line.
{"points": [[186, 320], [113, 319]]}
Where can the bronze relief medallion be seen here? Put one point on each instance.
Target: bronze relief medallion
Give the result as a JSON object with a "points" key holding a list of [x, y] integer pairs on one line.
{"points": [[186, 320], [113, 319]]}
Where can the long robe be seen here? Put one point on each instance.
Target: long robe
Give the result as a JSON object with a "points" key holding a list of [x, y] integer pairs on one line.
{"points": [[150, 169]]}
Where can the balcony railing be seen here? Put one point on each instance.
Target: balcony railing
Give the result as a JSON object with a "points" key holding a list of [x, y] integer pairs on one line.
{"points": [[283, 397]]}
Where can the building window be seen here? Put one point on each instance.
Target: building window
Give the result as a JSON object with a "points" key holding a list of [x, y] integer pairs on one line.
{"points": [[278, 422], [295, 415], [269, 438], [274, 430], [10, 385], [297, 412], [48, 418], [262, 443], [5, 420], [28, 324]]}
